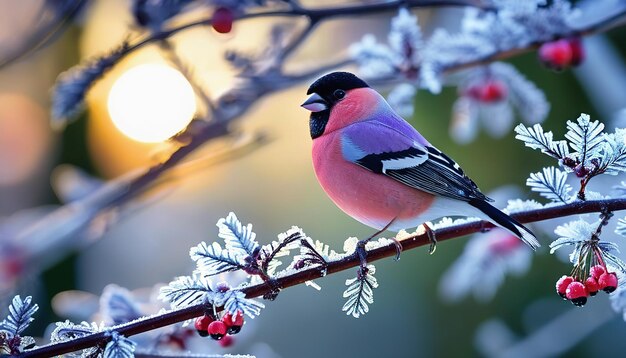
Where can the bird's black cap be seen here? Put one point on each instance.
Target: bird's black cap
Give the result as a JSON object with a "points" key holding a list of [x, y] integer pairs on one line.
{"points": [[336, 80]]}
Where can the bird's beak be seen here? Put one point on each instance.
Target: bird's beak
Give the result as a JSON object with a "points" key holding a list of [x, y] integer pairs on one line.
{"points": [[315, 103]]}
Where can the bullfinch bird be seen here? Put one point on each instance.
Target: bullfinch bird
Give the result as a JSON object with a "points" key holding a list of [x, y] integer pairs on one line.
{"points": [[381, 171]]}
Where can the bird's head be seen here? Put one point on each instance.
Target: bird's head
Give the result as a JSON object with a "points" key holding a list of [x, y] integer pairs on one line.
{"points": [[341, 94]]}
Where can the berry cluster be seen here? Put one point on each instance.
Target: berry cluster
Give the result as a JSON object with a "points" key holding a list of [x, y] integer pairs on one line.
{"points": [[219, 329], [489, 91], [561, 54], [577, 289]]}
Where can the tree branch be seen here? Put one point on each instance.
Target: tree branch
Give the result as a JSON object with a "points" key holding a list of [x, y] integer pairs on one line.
{"points": [[408, 243]]}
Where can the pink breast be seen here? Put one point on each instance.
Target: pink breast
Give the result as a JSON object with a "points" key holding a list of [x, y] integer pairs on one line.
{"points": [[370, 198]]}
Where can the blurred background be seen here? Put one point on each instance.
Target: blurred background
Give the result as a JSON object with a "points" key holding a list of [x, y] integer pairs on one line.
{"points": [[273, 186]]}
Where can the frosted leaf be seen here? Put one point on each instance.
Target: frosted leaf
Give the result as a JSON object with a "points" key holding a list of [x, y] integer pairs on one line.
{"points": [[613, 158], [535, 138], [212, 259], [375, 60], [585, 137], [551, 184], [20, 315], [72, 85], [118, 306], [66, 331], [621, 227], [235, 300], [405, 36], [484, 264], [186, 291], [119, 347], [572, 233], [359, 293], [618, 300], [528, 99], [613, 262], [239, 239], [401, 99]]}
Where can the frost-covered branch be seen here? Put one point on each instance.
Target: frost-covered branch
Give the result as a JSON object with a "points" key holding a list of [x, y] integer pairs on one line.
{"points": [[410, 241]]}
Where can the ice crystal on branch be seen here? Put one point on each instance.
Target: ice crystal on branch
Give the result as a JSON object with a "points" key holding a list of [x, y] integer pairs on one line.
{"points": [[119, 347], [359, 293], [551, 184]]}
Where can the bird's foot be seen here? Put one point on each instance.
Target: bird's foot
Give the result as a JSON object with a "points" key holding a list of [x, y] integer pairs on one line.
{"points": [[398, 248], [360, 246], [431, 237]]}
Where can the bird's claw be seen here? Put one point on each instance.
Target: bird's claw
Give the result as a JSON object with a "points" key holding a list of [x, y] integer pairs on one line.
{"points": [[398, 248], [361, 252], [432, 238]]}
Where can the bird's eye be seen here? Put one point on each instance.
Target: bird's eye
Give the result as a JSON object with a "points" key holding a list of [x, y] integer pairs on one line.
{"points": [[339, 94]]}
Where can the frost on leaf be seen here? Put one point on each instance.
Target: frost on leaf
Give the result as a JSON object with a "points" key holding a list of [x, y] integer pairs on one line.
{"points": [[621, 227], [20, 315], [119, 347], [359, 293], [572, 233], [118, 306], [212, 259], [72, 85], [551, 184], [66, 331], [237, 236], [535, 138], [186, 291], [234, 301], [613, 159], [585, 137]]}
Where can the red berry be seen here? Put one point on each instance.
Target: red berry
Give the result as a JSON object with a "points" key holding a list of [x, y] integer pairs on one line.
{"points": [[227, 341], [556, 55], [591, 284], [608, 282], [576, 293], [222, 20], [217, 330], [561, 285], [202, 325], [578, 51], [233, 323], [596, 271], [489, 91]]}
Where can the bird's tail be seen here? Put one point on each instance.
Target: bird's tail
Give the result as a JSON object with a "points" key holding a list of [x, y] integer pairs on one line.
{"points": [[503, 220]]}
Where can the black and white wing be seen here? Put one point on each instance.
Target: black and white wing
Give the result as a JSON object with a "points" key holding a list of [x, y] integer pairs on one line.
{"points": [[424, 168]]}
